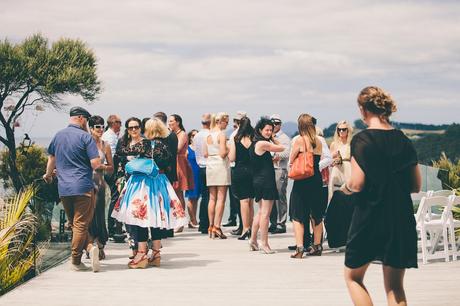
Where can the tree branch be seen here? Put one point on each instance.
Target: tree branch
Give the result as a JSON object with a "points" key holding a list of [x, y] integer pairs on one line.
{"points": [[19, 104]]}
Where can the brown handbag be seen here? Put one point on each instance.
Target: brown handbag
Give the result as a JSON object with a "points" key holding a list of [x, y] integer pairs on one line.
{"points": [[302, 167]]}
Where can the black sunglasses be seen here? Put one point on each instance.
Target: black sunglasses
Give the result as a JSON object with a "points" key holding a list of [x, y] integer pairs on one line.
{"points": [[342, 129], [132, 128]]}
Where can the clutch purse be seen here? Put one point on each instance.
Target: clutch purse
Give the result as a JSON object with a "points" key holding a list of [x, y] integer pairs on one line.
{"points": [[142, 165]]}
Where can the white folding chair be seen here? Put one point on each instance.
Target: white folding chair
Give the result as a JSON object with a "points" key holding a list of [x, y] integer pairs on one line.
{"points": [[435, 213], [433, 229], [453, 224]]}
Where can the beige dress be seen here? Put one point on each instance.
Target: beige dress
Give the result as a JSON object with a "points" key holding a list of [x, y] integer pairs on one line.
{"points": [[217, 168], [340, 173]]}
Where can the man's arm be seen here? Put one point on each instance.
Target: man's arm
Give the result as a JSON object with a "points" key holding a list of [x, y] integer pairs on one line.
{"points": [[50, 166], [286, 142]]}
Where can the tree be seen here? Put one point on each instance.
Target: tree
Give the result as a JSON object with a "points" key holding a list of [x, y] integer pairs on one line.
{"points": [[35, 74]]}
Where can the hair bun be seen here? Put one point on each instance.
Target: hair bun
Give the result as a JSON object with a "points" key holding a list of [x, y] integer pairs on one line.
{"points": [[377, 101]]}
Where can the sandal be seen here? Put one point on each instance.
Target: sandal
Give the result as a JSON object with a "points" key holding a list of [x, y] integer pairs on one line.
{"points": [[142, 263], [155, 259]]}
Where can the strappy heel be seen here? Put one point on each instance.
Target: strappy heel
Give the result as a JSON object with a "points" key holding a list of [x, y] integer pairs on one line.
{"points": [[142, 263], [217, 232], [155, 259], [246, 234], [316, 250], [298, 252]]}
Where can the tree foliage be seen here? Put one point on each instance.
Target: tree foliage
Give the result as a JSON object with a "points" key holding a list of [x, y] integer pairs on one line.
{"points": [[430, 147], [33, 73]]}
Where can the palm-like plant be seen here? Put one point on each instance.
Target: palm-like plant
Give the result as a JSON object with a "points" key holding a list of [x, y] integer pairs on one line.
{"points": [[18, 226]]}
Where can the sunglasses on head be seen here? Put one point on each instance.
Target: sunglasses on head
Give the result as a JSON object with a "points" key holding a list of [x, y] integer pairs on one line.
{"points": [[342, 129], [98, 126], [133, 128]]}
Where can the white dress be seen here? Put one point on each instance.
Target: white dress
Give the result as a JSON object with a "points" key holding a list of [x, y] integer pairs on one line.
{"points": [[217, 168], [340, 173]]}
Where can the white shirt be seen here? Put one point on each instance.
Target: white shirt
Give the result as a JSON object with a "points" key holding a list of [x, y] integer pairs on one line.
{"points": [[284, 156], [111, 138], [232, 138], [199, 142]]}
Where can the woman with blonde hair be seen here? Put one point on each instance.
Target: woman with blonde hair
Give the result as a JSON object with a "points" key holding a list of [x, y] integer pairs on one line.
{"points": [[217, 173], [148, 200], [340, 149], [306, 197], [385, 172]]}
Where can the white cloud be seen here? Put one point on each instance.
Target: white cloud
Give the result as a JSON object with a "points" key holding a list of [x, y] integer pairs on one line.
{"points": [[262, 56]]}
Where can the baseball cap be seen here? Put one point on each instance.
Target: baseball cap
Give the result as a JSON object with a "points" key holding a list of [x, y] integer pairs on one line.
{"points": [[79, 111], [275, 118]]}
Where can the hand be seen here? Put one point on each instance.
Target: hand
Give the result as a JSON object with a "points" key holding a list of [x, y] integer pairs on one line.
{"points": [[276, 158], [175, 184], [48, 178]]}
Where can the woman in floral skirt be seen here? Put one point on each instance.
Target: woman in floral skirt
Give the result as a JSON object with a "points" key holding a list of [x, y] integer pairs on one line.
{"points": [[148, 200]]}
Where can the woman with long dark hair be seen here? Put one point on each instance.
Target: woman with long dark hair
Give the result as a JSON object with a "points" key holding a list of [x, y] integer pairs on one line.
{"points": [[194, 194], [265, 191], [306, 200], [184, 170], [384, 172], [242, 174], [97, 229]]}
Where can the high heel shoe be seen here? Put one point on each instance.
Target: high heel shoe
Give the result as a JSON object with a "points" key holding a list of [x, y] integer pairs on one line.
{"points": [[298, 252], [142, 263], [217, 232], [191, 225], [179, 229], [155, 259], [266, 250], [316, 250], [253, 246], [246, 234]]}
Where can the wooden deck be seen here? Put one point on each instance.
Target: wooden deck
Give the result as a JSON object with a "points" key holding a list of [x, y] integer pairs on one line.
{"points": [[199, 271]]}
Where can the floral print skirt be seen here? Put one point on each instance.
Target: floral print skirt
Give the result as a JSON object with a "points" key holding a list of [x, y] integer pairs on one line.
{"points": [[148, 201]]}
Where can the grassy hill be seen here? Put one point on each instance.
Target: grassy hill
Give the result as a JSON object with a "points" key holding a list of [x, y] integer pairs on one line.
{"points": [[430, 147]]}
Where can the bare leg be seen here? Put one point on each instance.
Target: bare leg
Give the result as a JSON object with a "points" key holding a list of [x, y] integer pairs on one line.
{"points": [[192, 205], [220, 205], [394, 287], [255, 226], [264, 213], [245, 213], [251, 212], [298, 233], [142, 250], [180, 195], [317, 232], [212, 204], [354, 280]]}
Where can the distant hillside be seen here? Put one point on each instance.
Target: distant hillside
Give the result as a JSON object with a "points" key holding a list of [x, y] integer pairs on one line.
{"points": [[408, 128], [429, 148]]}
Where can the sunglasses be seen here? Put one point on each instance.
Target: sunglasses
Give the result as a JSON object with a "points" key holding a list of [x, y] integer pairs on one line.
{"points": [[133, 128], [98, 126], [276, 122], [342, 130]]}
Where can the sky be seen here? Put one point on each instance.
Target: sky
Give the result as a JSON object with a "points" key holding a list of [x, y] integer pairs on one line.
{"points": [[260, 56]]}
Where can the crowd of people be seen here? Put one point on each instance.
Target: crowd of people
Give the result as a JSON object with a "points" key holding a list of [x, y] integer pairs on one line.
{"points": [[157, 173]]}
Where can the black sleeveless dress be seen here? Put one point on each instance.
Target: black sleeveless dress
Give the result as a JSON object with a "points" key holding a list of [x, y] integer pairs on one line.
{"points": [[242, 178], [263, 175], [307, 197], [383, 225]]}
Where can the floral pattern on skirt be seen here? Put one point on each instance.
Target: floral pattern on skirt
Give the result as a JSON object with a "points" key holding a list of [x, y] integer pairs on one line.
{"points": [[148, 201]]}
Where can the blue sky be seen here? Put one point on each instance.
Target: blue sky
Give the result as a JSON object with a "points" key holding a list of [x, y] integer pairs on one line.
{"points": [[286, 57]]}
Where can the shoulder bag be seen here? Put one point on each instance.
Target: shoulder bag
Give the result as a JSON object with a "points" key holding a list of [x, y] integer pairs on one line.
{"points": [[302, 167]]}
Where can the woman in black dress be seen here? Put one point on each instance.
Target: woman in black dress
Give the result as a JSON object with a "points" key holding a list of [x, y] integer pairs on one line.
{"points": [[242, 174], [384, 173], [264, 182], [306, 199]]}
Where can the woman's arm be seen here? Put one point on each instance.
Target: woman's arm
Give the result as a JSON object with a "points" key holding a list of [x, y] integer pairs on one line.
{"points": [[182, 139], [232, 151], [263, 146], [357, 179], [223, 151], [417, 179], [205, 147], [295, 149], [108, 167]]}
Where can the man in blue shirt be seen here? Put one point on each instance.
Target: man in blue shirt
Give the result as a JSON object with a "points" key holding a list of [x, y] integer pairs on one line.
{"points": [[73, 154]]}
